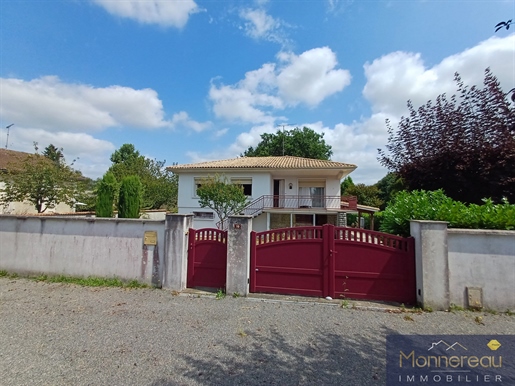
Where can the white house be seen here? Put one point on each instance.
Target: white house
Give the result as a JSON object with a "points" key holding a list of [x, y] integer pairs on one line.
{"points": [[282, 191]]}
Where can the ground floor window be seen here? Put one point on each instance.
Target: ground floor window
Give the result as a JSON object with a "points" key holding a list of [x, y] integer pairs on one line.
{"points": [[203, 215], [287, 220]]}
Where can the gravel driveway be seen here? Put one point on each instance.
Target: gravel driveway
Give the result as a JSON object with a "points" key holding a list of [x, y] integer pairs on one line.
{"points": [[62, 334]]}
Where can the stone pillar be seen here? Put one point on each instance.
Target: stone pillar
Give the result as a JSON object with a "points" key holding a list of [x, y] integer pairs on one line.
{"points": [[238, 255], [431, 263], [175, 262]]}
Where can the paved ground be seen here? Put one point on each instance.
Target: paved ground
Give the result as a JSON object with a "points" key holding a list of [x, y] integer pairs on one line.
{"points": [[57, 334]]}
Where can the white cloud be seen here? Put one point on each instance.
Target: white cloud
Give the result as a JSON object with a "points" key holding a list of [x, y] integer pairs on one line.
{"points": [[259, 25], [164, 13], [308, 78], [250, 99], [399, 76], [391, 81], [221, 132], [182, 119], [311, 77], [51, 104], [91, 154]]}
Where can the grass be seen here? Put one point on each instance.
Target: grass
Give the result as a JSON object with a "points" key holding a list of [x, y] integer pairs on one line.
{"points": [[90, 281], [344, 303], [242, 333], [220, 294], [236, 295]]}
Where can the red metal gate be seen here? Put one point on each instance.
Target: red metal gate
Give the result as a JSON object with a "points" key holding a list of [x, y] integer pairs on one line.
{"points": [[207, 258], [333, 261]]}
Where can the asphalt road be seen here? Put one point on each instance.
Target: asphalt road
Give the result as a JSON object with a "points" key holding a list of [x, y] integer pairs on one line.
{"points": [[61, 334]]}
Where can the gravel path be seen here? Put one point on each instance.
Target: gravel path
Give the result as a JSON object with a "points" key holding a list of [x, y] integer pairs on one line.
{"points": [[61, 334]]}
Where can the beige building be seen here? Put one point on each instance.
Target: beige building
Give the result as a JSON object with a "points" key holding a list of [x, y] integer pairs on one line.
{"points": [[11, 160]]}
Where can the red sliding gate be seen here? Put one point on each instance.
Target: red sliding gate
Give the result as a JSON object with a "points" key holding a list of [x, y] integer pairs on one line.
{"points": [[333, 261], [207, 258]]}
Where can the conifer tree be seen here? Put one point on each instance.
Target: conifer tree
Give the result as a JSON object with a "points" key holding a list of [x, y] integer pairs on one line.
{"points": [[129, 201], [106, 193]]}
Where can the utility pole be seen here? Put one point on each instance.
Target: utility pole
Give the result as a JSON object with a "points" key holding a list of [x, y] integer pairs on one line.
{"points": [[7, 140], [283, 125]]}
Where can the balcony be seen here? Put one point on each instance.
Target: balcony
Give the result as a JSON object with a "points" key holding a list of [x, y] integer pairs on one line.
{"points": [[296, 202]]}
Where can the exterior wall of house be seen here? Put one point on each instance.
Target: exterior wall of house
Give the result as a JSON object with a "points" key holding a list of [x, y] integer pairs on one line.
{"points": [[188, 202], [262, 185], [260, 223]]}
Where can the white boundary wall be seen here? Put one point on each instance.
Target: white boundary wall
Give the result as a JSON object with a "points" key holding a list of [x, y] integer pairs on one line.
{"points": [[451, 261], [81, 247]]}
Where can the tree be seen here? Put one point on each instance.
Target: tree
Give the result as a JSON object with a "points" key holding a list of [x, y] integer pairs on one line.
{"points": [[346, 184], [388, 186], [296, 142], [219, 194], [106, 193], [129, 201], [464, 145], [366, 194], [42, 182], [54, 154], [160, 186]]}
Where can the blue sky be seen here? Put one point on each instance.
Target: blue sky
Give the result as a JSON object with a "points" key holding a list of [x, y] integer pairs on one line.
{"points": [[188, 81]]}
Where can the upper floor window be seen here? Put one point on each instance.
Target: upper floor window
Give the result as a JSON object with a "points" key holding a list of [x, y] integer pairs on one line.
{"points": [[246, 184]]}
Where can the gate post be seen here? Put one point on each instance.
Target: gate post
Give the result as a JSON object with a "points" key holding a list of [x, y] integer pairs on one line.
{"points": [[238, 255], [175, 262], [431, 263]]}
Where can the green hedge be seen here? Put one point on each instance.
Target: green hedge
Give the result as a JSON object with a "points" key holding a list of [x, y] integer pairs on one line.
{"points": [[435, 205]]}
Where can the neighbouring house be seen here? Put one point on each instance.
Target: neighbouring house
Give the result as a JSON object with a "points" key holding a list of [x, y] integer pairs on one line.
{"points": [[9, 160], [282, 191]]}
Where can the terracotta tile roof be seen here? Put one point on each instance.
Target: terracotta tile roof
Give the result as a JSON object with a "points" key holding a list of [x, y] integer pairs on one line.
{"points": [[10, 158], [284, 162]]}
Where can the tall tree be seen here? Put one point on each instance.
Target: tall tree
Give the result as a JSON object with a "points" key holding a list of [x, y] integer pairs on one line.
{"points": [[464, 144], [54, 154], [42, 182], [388, 186], [129, 201], [297, 142], [346, 184], [219, 194], [160, 186], [107, 190]]}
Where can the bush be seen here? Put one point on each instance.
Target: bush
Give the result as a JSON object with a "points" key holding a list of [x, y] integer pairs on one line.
{"points": [[106, 193], [436, 206], [129, 201]]}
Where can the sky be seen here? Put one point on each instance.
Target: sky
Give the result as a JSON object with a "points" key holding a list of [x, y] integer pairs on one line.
{"points": [[195, 80]]}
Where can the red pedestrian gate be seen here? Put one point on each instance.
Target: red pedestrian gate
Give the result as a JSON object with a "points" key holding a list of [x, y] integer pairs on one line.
{"points": [[333, 261], [207, 258]]}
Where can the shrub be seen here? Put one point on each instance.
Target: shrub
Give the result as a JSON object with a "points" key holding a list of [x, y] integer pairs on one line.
{"points": [[106, 193], [129, 201], [436, 206]]}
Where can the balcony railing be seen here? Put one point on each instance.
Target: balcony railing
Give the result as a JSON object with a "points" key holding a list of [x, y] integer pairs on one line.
{"points": [[295, 202]]}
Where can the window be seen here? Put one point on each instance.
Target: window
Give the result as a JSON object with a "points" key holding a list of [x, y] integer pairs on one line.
{"points": [[246, 184], [197, 184], [203, 215], [311, 193]]}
